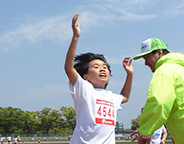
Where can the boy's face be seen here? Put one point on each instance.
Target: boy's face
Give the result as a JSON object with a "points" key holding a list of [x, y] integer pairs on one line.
{"points": [[98, 73]]}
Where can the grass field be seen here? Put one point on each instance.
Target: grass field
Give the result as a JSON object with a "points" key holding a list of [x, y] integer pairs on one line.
{"points": [[167, 142]]}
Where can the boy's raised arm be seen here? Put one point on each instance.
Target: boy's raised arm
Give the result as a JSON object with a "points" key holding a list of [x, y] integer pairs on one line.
{"points": [[128, 83], [69, 62]]}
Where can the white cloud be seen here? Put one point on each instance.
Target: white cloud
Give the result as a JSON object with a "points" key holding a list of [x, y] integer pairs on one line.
{"points": [[49, 28], [35, 30], [138, 9], [178, 8], [122, 10], [88, 19], [98, 14]]}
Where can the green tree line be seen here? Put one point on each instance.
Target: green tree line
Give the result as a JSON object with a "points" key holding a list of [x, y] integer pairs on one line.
{"points": [[135, 123], [46, 121]]}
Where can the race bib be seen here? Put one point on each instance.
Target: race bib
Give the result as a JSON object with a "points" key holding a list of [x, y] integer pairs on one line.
{"points": [[104, 112]]}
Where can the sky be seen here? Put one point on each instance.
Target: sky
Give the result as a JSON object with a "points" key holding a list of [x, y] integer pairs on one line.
{"points": [[35, 36]]}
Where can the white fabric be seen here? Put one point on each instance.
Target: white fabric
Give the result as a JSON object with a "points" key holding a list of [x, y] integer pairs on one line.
{"points": [[15, 139], [2, 138], [9, 138], [96, 111], [146, 45], [156, 137]]}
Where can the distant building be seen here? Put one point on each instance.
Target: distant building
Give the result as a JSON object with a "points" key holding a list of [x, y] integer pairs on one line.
{"points": [[119, 128]]}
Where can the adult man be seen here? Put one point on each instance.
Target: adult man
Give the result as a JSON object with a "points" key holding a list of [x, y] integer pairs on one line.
{"points": [[165, 97]]}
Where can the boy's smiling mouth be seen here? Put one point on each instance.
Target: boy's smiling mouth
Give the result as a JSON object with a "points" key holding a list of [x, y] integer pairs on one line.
{"points": [[102, 75]]}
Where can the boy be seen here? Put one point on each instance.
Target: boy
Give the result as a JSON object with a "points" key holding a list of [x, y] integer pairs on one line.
{"points": [[96, 108]]}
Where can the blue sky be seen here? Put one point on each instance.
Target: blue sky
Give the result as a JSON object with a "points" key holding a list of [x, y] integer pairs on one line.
{"points": [[35, 35]]}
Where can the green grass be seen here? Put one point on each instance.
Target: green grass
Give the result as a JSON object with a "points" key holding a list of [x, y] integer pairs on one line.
{"points": [[167, 142]]}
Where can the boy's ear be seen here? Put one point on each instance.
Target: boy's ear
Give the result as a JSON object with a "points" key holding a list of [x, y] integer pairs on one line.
{"points": [[85, 76]]}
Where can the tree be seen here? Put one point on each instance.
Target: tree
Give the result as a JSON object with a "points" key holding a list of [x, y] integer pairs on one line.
{"points": [[31, 123], [51, 121], [69, 115], [45, 118], [10, 119], [135, 123], [47, 121], [56, 122]]}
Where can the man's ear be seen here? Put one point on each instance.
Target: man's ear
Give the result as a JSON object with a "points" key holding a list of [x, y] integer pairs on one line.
{"points": [[85, 76], [160, 51]]}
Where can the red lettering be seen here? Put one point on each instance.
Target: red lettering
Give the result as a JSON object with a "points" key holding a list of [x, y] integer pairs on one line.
{"points": [[109, 113], [104, 111], [113, 113], [99, 111]]}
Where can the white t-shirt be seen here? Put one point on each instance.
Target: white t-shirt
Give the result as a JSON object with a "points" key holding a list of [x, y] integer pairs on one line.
{"points": [[156, 137], [96, 111], [2, 138], [9, 138], [15, 139]]}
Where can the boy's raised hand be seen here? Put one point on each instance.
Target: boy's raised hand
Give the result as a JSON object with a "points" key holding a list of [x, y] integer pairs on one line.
{"points": [[69, 62], [76, 26], [127, 64]]}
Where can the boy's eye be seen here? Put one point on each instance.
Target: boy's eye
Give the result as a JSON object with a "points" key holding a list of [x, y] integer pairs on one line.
{"points": [[95, 66]]}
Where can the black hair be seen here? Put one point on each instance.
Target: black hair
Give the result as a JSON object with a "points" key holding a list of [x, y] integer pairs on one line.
{"points": [[142, 109], [165, 51], [82, 62]]}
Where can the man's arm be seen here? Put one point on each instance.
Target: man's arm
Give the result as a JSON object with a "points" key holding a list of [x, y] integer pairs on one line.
{"points": [[69, 62], [160, 99]]}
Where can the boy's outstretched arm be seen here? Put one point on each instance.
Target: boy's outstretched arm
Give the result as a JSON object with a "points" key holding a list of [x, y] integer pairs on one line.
{"points": [[69, 62], [127, 64]]}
